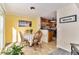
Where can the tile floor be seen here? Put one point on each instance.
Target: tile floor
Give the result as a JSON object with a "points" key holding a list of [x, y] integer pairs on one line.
{"points": [[45, 50]]}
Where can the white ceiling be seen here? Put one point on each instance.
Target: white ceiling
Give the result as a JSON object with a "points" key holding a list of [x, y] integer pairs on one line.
{"points": [[41, 9]]}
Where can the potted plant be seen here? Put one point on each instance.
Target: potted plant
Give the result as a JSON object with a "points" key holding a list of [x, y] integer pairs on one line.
{"points": [[14, 50]]}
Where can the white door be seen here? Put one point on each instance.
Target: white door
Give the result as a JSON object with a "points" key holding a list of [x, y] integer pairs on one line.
{"points": [[1, 32]]}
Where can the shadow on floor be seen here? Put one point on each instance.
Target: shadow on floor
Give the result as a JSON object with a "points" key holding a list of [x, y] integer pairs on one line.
{"points": [[60, 51]]}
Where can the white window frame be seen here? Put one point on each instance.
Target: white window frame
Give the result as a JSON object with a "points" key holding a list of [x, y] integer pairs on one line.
{"points": [[3, 32]]}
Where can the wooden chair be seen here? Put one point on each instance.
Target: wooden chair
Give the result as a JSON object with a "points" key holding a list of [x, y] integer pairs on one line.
{"points": [[37, 39]]}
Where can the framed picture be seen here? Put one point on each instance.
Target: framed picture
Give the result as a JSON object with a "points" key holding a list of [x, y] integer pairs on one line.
{"points": [[67, 19], [23, 23]]}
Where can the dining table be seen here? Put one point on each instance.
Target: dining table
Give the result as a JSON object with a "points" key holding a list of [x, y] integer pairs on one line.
{"points": [[29, 37]]}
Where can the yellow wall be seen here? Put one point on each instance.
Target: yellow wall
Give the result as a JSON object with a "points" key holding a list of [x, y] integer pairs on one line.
{"points": [[12, 21]]}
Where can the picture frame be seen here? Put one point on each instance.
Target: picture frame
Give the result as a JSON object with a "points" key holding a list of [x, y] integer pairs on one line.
{"points": [[24, 23], [68, 19]]}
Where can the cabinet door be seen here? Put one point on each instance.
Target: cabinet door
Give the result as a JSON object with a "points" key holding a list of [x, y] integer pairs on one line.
{"points": [[45, 36], [50, 36]]}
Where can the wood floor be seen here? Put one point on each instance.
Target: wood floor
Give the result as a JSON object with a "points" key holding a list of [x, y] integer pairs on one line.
{"points": [[45, 50]]}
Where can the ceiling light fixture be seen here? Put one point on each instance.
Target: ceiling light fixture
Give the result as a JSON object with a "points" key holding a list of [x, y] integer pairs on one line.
{"points": [[32, 8]]}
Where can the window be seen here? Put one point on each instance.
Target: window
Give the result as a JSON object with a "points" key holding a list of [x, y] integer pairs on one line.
{"points": [[1, 31]]}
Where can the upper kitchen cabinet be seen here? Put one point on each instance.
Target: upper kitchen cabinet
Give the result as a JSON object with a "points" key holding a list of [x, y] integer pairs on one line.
{"points": [[48, 24]]}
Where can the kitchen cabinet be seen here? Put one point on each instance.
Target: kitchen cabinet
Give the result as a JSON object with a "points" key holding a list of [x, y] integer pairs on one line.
{"points": [[48, 24], [48, 27]]}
